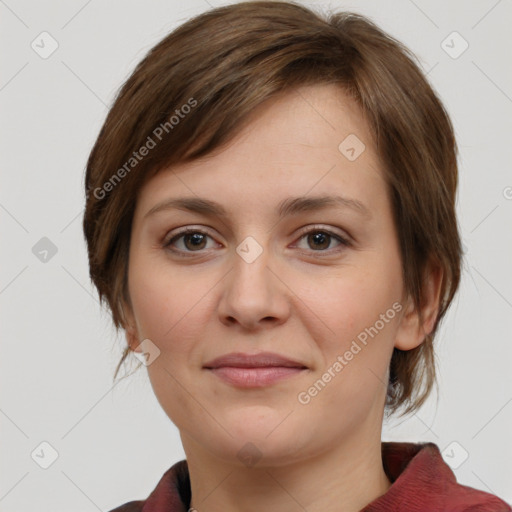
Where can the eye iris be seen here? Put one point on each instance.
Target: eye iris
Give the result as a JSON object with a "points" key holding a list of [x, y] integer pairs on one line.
{"points": [[319, 237], [195, 238]]}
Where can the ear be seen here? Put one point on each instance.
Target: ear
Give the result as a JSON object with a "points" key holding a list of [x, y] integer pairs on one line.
{"points": [[411, 333], [131, 331]]}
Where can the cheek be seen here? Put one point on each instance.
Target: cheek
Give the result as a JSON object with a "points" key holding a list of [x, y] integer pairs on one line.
{"points": [[164, 303], [352, 374], [362, 319], [169, 313], [355, 302]]}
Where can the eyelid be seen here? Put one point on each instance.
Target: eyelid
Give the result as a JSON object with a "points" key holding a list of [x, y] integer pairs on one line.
{"points": [[302, 231], [344, 239], [318, 227], [186, 230]]}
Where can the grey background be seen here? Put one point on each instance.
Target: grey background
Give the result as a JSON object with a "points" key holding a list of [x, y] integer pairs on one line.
{"points": [[59, 350]]}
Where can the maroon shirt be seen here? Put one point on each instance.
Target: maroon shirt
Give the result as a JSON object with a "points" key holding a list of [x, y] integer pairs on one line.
{"points": [[420, 482]]}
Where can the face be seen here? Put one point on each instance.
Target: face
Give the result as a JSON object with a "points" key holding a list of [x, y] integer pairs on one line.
{"points": [[316, 282]]}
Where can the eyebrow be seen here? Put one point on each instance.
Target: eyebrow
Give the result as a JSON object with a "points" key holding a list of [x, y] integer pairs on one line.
{"points": [[287, 207]]}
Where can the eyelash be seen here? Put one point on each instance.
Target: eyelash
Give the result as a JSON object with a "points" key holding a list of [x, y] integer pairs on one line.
{"points": [[315, 229]]}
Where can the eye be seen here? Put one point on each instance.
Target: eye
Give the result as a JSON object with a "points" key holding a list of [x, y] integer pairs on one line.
{"points": [[193, 240], [319, 239]]}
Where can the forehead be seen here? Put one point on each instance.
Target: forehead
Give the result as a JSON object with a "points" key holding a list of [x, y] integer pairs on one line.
{"points": [[312, 140]]}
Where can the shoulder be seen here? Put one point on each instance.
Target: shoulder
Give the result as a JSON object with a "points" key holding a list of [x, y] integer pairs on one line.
{"points": [[172, 493], [422, 480], [131, 506]]}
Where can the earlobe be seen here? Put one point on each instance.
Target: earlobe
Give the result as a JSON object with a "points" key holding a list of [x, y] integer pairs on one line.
{"points": [[132, 338], [411, 331]]}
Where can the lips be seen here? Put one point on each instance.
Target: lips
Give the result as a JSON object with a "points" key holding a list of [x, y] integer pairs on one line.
{"points": [[260, 360], [254, 370]]}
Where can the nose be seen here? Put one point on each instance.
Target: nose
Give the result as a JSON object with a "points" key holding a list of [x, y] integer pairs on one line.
{"points": [[254, 295]]}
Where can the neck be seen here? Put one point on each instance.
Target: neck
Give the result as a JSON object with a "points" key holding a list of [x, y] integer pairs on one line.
{"points": [[346, 477]]}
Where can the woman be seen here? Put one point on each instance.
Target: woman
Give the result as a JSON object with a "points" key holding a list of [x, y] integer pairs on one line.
{"points": [[271, 218]]}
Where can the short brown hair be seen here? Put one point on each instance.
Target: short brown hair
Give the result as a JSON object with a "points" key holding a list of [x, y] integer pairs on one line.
{"points": [[225, 62]]}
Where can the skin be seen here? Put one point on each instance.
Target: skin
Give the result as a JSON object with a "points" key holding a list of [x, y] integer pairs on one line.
{"points": [[301, 298]]}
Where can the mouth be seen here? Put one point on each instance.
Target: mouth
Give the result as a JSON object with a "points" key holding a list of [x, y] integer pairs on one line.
{"points": [[254, 370], [255, 377]]}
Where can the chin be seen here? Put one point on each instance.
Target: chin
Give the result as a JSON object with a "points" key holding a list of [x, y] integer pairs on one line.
{"points": [[253, 442], [255, 453]]}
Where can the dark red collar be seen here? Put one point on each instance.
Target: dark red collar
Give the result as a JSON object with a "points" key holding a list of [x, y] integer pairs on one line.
{"points": [[423, 482], [420, 482]]}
